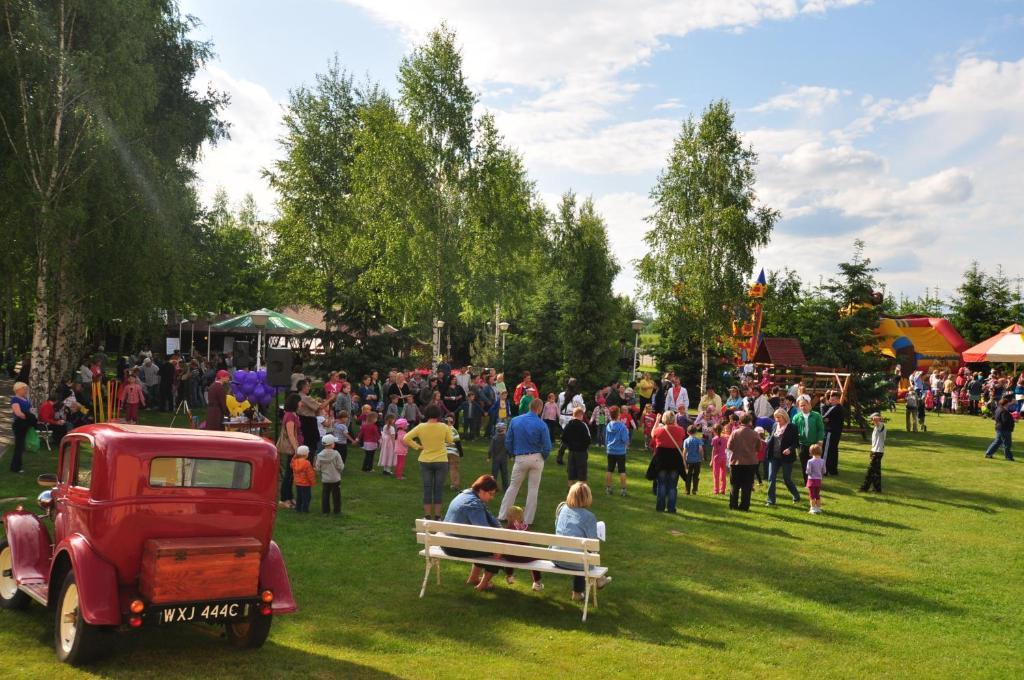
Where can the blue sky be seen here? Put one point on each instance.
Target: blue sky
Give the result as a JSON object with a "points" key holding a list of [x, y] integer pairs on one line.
{"points": [[900, 122]]}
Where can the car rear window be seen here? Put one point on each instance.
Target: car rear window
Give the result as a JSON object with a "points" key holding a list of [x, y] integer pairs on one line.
{"points": [[205, 473]]}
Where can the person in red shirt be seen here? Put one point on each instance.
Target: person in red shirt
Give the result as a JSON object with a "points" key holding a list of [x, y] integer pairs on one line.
{"points": [[48, 415], [369, 438], [524, 387]]}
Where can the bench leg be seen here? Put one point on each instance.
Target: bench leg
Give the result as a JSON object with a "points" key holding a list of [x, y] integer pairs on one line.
{"points": [[426, 576], [586, 599], [593, 584], [437, 563]]}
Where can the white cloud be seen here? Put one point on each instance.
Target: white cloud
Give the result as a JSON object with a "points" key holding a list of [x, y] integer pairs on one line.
{"points": [[570, 56], [624, 213], [255, 126], [670, 103], [976, 87], [809, 99]]}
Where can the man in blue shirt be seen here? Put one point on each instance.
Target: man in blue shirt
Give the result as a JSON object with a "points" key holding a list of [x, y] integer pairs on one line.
{"points": [[528, 442]]}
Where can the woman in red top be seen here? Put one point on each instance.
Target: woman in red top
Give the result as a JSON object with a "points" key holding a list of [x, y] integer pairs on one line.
{"points": [[48, 415], [667, 439]]}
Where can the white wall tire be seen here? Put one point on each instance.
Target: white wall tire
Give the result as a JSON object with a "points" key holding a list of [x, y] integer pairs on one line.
{"points": [[10, 596], [75, 641]]}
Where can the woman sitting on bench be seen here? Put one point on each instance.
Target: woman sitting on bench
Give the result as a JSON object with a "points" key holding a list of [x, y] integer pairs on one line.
{"points": [[572, 518], [470, 507]]}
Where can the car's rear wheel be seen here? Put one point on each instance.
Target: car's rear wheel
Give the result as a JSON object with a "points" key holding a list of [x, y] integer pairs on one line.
{"points": [[76, 641], [251, 633], [10, 596]]}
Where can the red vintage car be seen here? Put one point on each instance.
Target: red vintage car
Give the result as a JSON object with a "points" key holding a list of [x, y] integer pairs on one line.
{"points": [[151, 526]]}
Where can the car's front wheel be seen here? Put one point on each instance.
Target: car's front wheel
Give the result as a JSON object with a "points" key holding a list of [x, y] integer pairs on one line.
{"points": [[251, 633], [76, 641], [10, 596]]}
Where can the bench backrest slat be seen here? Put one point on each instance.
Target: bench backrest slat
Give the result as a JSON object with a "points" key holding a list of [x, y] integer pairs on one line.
{"points": [[536, 552], [591, 545]]}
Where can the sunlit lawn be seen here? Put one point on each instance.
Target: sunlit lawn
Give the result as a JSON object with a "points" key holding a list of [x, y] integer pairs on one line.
{"points": [[922, 581]]}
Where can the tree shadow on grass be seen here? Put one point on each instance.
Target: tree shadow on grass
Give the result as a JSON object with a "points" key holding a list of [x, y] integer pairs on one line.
{"points": [[888, 500], [831, 526], [920, 489]]}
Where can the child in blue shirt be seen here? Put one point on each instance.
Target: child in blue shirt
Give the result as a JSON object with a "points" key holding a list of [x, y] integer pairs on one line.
{"points": [[693, 446], [616, 442]]}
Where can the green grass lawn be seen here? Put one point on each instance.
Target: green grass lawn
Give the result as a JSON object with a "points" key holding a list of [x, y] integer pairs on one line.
{"points": [[922, 581]]}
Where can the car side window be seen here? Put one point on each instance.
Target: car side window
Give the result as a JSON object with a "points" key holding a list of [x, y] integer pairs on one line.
{"points": [[83, 464], [66, 457]]}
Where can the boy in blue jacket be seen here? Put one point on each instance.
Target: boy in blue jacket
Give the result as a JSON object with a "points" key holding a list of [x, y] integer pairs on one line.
{"points": [[616, 442]]}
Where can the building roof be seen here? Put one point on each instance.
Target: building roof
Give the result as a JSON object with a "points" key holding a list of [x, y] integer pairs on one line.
{"points": [[780, 352]]}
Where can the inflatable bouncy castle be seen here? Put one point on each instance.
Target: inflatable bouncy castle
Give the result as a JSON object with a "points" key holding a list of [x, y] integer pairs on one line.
{"points": [[917, 342]]}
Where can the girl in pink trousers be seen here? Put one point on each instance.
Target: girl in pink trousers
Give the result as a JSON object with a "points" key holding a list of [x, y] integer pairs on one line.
{"points": [[719, 459], [387, 446], [401, 448]]}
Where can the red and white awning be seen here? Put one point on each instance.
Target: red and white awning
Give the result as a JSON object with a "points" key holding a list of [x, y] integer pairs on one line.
{"points": [[1006, 346]]}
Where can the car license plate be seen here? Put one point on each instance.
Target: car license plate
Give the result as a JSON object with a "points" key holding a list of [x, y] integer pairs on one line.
{"points": [[203, 612]]}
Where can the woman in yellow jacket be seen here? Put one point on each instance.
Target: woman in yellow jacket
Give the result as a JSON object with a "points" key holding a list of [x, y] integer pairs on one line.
{"points": [[429, 439]]}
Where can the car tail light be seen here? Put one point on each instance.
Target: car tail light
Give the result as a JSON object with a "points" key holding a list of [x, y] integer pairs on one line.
{"points": [[135, 621], [137, 606], [266, 610], [267, 596]]}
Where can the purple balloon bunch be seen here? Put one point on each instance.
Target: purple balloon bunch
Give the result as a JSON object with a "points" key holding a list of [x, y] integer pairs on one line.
{"points": [[252, 385]]}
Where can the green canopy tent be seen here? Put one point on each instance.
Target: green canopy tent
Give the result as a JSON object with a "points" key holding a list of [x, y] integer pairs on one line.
{"points": [[260, 320]]}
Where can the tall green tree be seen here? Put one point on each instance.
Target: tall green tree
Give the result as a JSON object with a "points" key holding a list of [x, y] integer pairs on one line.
{"points": [[314, 181], [983, 304], [439, 105], [707, 226], [103, 127]]}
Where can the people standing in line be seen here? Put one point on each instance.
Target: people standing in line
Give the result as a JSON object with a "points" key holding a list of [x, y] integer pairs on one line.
{"points": [[810, 427], [308, 410], [288, 443], [497, 454], [330, 466], [454, 396], [431, 439], [305, 479], [667, 438], [693, 446], [24, 420], [744, 445], [911, 410], [576, 440], [217, 408], [616, 443], [833, 416], [873, 478], [528, 443], [782, 453], [815, 470], [676, 397], [1004, 430]]}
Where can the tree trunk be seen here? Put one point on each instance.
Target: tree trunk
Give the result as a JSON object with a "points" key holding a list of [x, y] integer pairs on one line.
{"points": [[497, 320], [39, 378], [703, 365]]}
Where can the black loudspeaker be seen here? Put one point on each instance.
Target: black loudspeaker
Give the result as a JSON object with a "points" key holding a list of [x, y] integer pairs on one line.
{"points": [[279, 367], [242, 356]]}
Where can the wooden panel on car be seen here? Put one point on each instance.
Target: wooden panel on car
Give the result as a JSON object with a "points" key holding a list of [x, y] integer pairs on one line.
{"points": [[195, 569]]}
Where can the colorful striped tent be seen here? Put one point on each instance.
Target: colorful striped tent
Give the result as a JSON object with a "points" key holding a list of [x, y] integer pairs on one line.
{"points": [[1006, 346]]}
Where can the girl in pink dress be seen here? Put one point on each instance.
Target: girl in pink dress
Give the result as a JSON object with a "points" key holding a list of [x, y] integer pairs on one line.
{"points": [[719, 460], [388, 434], [401, 448]]}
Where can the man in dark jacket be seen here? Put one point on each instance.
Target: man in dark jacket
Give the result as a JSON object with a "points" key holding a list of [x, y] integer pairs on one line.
{"points": [[576, 438], [833, 416], [166, 373], [1004, 430]]}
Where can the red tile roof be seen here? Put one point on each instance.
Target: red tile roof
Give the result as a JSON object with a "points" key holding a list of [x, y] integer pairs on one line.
{"points": [[780, 352]]}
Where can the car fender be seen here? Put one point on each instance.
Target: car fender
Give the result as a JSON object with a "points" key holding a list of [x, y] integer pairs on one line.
{"points": [[96, 579], [274, 577], [30, 546]]}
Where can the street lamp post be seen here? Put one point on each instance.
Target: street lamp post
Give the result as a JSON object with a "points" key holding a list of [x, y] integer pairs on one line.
{"points": [[503, 327], [180, 343], [259, 319], [437, 325], [638, 325]]}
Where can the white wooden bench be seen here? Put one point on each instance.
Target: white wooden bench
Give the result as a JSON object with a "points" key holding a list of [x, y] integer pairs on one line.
{"points": [[544, 549]]}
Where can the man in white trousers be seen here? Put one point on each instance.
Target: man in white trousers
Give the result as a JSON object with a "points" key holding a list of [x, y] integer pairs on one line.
{"points": [[528, 443]]}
